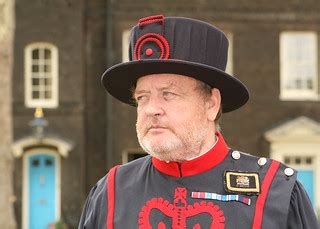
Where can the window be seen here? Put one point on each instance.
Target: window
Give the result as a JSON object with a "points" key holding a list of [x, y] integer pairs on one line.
{"points": [[298, 66], [131, 155], [41, 75]]}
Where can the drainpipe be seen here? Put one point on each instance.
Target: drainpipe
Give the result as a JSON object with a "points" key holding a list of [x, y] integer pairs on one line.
{"points": [[109, 106]]}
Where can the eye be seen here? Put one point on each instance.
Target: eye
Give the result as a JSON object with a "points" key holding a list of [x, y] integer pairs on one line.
{"points": [[168, 94], [140, 98]]}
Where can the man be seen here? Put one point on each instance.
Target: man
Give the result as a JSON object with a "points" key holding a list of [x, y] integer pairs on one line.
{"points": [[191, 179]]}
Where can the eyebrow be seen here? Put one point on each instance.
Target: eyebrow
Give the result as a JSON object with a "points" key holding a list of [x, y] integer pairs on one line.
{"points": [[140, 92], [172, 85]]}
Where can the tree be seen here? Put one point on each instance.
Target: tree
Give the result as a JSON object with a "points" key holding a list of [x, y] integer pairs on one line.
{"points": [[7, 23]]}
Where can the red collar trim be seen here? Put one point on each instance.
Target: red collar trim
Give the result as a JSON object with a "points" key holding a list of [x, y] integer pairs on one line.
{"points": [[198, 165]]}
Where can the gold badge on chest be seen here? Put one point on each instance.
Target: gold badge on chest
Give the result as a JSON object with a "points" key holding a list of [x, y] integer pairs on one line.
{"points": [[242, 182]]}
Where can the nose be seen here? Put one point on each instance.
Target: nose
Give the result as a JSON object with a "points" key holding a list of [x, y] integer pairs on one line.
{"points": [[154, 107]]}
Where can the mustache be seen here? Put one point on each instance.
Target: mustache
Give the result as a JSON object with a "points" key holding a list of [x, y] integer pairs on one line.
{"points": [[154, 123]]}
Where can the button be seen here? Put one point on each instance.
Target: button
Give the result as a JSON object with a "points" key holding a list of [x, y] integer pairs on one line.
{"points": [[236, 155], [289, 172], [262, 161], [149, 52]]}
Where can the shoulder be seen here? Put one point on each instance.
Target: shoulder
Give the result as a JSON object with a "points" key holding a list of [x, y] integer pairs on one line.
{"points": [[94, 211], [98, 191], [265, 167], [136, 166]]}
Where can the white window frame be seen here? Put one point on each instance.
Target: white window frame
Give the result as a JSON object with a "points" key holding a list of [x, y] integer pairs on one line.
{"points": [[45, 103], [229, 67], [125, 45], [298, 94]]}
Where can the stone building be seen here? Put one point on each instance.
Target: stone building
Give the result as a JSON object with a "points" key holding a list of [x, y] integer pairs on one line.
{"points": [[62, 47]]}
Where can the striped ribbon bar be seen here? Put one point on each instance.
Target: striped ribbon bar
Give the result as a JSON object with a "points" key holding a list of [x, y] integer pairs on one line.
{"points": [[215, 196]]}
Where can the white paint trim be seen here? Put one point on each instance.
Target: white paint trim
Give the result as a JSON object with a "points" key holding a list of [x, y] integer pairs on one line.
{"points": [[45, 103], [229, 67], [298, 137], [280, 151], [63, 147], [25, 187], [125, 45]]}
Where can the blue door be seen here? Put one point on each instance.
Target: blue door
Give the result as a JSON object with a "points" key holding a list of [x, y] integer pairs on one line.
{"points": [[306, 178], [41, 191]]}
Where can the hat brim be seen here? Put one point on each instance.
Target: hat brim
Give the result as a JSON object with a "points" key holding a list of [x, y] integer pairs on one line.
{"points": [[120, 79]]}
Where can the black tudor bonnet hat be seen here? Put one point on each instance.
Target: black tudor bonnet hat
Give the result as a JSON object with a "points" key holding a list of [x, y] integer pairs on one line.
{"points": [[181, 46]]}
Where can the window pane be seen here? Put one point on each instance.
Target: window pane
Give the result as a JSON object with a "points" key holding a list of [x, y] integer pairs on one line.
{"points": [[47, 68], [48, 94], [134, 156], [298, 160], [47, 81], [298, 84], [47, 54], [35, 68], [308, 160], [35, 94], [35, 162], [309, 84], [35, 81], [287, 160], [48, 162], [35, 54]]}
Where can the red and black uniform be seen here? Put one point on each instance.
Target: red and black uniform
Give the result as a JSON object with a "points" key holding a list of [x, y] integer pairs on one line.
{"points": [[215, 190]]}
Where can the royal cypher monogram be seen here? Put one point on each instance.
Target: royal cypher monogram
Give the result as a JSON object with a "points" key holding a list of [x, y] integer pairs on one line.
{"points": [[179, 211]]}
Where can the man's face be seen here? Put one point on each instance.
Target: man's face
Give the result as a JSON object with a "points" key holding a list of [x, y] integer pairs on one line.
{"points": [[172, 122]]}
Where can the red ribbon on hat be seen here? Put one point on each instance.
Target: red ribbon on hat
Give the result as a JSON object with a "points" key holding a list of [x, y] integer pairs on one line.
{"points": [[154, 37], [151, 19]]}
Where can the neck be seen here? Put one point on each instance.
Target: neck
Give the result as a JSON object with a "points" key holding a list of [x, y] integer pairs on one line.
{"points": [[205, 151], [197, 151], [208, 142]]}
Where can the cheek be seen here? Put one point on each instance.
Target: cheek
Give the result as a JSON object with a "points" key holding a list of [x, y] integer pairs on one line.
{"points": [[179, 118], [140, 119], [190, 116]]}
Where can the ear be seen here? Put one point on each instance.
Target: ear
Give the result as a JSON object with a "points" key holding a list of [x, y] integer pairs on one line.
{"points": [[213, 104]]}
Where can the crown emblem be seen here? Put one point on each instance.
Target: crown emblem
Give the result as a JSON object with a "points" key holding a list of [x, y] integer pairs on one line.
{"points": [[179, 211]]}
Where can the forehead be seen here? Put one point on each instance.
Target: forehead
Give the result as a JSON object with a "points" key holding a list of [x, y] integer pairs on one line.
{"points": [[165, 80]]}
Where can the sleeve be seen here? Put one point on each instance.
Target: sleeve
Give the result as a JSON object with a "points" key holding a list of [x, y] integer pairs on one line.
{"points": [[94, 212], [301, 214]]}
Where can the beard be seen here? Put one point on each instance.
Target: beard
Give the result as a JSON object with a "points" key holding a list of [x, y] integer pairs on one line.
{"points": [[182, 142]]}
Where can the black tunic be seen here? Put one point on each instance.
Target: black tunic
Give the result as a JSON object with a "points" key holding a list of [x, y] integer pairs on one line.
{"points": [[154, 194]]}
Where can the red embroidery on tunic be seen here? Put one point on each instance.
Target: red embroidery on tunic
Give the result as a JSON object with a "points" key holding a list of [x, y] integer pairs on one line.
{"points": [[179, 211]]}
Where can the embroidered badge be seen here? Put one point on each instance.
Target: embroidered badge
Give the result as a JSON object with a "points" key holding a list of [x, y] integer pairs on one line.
{"points": [[225, 198], [242, 182], [179, 211]]}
